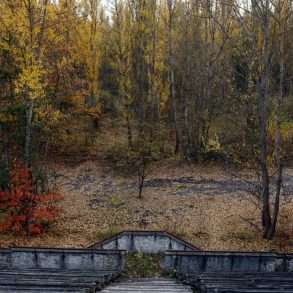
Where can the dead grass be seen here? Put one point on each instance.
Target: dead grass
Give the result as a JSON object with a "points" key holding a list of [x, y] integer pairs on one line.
{"points": [[209, 221]]}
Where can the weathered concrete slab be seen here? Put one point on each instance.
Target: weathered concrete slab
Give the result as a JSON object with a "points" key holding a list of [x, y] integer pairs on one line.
{"points": [[4, 258], [289, 262], [200, 262], [149, 285], [61, 259], [245, 282], [150, 242], [34, 280]]}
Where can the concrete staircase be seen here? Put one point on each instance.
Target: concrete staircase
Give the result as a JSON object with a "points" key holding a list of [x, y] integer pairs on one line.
{"points": [[58, 270], [48, 281], [217, 282], [148, 285]]}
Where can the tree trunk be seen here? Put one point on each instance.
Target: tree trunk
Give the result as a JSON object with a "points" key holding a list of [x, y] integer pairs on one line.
{"points": [[171, 7], [141, 177], [174, 111], [28, 133], [272, 229], [263, 87], [278, 138], [129, 131]]}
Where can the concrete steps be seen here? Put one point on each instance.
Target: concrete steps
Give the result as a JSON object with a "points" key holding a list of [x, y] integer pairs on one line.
{"points": [[147, 285], [50, 281], [244, 282]]}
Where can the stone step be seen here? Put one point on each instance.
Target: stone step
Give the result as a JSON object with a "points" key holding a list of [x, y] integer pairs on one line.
{"points": [[57, 272], [149, 285], [58, 281], [250, 291], [40, 289], [277, 282]]}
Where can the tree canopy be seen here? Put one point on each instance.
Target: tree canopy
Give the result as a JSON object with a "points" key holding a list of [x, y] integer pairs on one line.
{"points": [[199, 79]]}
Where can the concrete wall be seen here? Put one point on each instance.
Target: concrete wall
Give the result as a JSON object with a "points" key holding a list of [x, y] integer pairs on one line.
{"points": [[199, 262], [289, 262], [4, 258], [61, 259], [146, 242]]}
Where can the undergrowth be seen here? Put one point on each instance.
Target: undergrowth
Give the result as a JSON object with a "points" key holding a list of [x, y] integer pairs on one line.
{"points": [[140, 265]]}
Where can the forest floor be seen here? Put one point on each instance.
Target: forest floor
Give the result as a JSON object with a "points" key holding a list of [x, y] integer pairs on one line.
{"points": [[204, 204]]}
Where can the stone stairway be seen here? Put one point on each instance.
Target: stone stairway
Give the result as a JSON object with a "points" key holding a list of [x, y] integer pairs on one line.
{"points": [[276, 282], [147, 285]]}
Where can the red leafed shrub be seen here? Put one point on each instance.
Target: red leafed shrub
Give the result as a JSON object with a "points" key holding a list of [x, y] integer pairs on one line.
{"points": [[25, 210]]}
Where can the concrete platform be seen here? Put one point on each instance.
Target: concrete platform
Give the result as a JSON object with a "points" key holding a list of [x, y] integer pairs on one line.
{"points": [[148, 285]]}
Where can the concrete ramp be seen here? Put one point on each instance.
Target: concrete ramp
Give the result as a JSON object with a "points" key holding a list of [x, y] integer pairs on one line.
{"points": [[148, 285]]}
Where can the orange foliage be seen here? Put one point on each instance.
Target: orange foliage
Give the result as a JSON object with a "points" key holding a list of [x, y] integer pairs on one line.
{"points": [[27, 211]]}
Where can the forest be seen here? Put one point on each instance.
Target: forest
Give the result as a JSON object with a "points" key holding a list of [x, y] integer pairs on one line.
{"points": [[136, 83]]}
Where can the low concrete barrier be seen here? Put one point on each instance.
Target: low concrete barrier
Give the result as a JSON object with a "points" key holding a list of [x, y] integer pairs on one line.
{"points": [[179, 256], [150, 242], [4, 258], [289, 262], [202, 262], [61, 259]]}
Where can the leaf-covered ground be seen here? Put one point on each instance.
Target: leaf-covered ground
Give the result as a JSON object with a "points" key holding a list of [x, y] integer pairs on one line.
{"points": [[208, 205]]}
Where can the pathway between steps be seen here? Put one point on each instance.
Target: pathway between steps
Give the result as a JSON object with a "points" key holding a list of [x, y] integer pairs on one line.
{"points": [[149, 285]]}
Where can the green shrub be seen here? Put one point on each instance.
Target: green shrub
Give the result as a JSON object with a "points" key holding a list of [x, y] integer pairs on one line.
{"points": [[140, 265]]}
